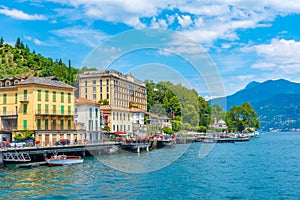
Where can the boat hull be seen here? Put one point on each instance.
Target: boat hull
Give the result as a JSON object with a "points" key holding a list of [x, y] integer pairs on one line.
{"points": [[61, 161]]}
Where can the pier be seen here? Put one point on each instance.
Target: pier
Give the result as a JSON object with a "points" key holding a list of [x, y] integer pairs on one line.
{"points": [[38, 153], [135, 147]]}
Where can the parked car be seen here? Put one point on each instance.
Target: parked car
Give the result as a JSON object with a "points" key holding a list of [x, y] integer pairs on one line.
{"points": [[62, 142], [17, 144]]}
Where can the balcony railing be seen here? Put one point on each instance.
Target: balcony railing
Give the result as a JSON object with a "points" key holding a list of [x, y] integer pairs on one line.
{"points": [[23, 99]]}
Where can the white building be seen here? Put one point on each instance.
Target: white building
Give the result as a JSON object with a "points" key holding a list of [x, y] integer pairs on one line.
{"points": [[119, 119], [87, 119]]}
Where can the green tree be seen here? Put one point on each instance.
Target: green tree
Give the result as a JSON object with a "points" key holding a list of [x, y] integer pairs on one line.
{"points": [[106, 128], [176, 125], [204, 112], [242, 117], [167, 130], [1, 41], [190, 115], [19, 44]]}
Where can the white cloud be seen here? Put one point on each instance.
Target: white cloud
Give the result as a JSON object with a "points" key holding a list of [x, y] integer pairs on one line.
{"points": [[81, 35], [263, 65], [245, 77], [203, 21], [184, 20], [280, 55], [18, 14], [35, 41]]}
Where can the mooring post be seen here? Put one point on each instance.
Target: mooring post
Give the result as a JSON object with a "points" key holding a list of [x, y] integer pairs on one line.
{"points": [[147, 148], [1, 160], [138, 150]]}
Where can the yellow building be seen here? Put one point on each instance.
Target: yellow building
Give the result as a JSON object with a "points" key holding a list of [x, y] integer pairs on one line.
{"points": [[44, 105], [120, 91]]}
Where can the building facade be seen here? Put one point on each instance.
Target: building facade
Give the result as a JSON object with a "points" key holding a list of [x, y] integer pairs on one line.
{"points": [[119, 91], [43, 105], [87, 120]]}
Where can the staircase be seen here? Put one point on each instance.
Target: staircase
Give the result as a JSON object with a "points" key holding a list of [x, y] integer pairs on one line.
{"points": [[16, 157]]}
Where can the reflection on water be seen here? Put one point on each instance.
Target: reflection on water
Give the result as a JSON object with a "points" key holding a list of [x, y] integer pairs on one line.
{"points": [[146, 162], [264, 168]]}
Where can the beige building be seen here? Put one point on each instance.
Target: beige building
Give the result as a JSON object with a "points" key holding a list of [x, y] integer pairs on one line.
{"points": [[120, 91]]}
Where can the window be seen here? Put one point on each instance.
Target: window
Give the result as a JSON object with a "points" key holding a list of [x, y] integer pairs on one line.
{"points": [[85, 83], [76, 111], [54, 125], [107, 96], [107, 89], [96, 112], [100, 82], [94, 82], [62, 97], [114, 127], [25, 95], [39, 108], [4, 98], [128, 127], [128, 117], [54, 96], [90, 125], [39, 95], [69, 110], [4, 110], [101, 96], [38, 124], [96, 125], [94, 97], [107, 81], [69, 97], [54, 109], [25, 109], [91, 111], [7, 83], [62, 110], [61, 124], [100, 89], [46, 109], [46, 124], [16, 98], [46, 95], [24, 124], [69, 124]]}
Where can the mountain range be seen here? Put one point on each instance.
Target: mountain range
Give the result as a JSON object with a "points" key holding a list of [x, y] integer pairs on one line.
{"points": [[277, 103]]}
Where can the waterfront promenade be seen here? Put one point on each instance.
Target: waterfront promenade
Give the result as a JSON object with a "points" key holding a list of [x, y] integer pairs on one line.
{"points": [[39, 153]]}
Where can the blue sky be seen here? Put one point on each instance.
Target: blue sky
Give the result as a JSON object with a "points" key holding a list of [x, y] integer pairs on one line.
{"points": [[246, 40]]}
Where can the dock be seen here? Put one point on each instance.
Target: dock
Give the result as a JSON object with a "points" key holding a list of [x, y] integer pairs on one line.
{"points": [[135, 147], [38, 154]]}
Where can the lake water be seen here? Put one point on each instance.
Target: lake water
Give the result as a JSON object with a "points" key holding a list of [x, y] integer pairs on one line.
{"points": [[267, 167]]}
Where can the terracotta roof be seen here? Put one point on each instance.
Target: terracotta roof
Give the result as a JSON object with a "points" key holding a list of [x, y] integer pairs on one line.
{"points": [[50, 81], [85, 101]]}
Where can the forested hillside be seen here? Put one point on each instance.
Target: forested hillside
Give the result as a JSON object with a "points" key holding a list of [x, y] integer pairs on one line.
{"points": [[19, 60], [189, 110]]}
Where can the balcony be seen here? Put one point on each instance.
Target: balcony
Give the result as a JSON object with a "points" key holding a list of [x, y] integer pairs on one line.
{"points": [[24, 99]]}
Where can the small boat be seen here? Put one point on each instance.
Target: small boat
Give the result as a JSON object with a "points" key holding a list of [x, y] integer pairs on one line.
{"points": [[61, 160], [114, 149]]}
